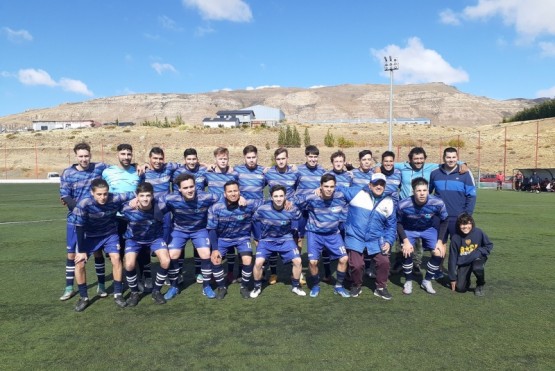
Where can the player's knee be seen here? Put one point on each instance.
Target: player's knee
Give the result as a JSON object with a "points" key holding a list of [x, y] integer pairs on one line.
{"points": [[343, 259], [461, 286], [313, 263], [296, 262]]}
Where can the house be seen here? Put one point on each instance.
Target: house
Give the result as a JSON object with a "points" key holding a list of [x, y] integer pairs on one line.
{"points": [[244, 116], [265, 115], [68, 124], [220, 122]]}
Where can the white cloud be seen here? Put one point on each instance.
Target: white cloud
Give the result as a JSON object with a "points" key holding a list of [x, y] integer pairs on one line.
{"points": [[420, 65], [448, 16], [75, 86], [550, 92], [31, 76], [169, 23], [317, 86], [17, 36], [222, 10], [201, 31], [547, 49], [160, 68]]}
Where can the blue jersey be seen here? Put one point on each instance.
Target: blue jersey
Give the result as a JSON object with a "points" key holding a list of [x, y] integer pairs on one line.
{"points": [[288, 179], [324, 216], [144, 225], [458, 191], [216, 180], [190, 216], [121, 180], [160, 179], [342, 179], [408, 173], [100, 220], [309, 179], [361, 178], [419, 218], [76, 184], [393, 183], [251, 181], [199, 172], [275, 225], [232, 224]]}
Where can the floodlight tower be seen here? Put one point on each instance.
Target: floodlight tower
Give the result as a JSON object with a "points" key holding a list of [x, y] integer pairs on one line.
{"points": [[391, 65]]}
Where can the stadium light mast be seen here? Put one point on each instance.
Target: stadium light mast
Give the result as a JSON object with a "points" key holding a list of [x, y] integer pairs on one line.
{"points": [[391, 65]]}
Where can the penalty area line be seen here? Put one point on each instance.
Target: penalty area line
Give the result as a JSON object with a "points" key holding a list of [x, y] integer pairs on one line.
{"points": [[31, 221]]}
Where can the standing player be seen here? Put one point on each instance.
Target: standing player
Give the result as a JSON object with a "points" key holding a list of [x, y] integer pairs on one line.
{"points": [[251, 175], [363, 174], [274, 228]]}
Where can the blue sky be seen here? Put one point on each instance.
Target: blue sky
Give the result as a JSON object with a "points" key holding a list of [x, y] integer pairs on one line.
{"points": [[59, 51]]}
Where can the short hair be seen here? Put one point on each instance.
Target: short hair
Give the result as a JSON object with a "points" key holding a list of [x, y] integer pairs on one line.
{"points": [[190, 152], [124, 147], [449, 150], [363, 153], [145, 187], [221, 151], [281, 150], [230, 183], [277, 187], [99, 183], [337, 154], [388, 154], [156, 151], [250, 148], [81, 146], [465, 218], [183, 177], [417, 151], [311, 150], [326, 178], [418, 181]]}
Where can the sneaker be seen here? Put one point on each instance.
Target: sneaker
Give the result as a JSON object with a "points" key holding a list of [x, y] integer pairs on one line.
{"points": [[208, 292], [120, 301], [479, 290], [315, 291], [254, 293], [171, 293], [141, 285], [355, 291], [407, 288], [101, 290], [230, 278], [245, 292], [427, 285], [68, 293], [383, 293], [221, 292], [438, 275], [158, 297], [302, 280], [340, 290], [82, 304], [133, 299], [297, 290], [200, 278], [148, 285], [273, 279]]}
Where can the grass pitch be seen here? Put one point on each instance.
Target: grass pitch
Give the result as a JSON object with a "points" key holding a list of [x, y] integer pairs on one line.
{"points": [[512, 327]]}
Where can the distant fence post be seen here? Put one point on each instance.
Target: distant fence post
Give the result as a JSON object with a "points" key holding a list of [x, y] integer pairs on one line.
{"points": [[36, 162]]}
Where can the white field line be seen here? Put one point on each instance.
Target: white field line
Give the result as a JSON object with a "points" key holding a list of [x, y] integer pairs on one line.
{"points": [[32, 221]]}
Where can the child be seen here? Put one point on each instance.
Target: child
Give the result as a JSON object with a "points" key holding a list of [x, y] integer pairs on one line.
{"points": [[468, 253]]}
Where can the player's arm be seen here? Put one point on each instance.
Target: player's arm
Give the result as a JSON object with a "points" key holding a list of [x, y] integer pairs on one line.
{"points": [[452, 262], [470, 194], [486, 245]]}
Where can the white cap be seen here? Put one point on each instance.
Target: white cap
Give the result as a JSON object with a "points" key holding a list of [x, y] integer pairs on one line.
{"points": [[376, 177]]}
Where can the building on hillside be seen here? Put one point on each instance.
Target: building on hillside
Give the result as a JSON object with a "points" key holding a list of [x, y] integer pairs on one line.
{"points": [[245, 117], [265, 115], [67, 124], [221, 122]]}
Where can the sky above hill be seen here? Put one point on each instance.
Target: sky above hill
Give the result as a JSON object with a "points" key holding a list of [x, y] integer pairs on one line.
{"points": [[59, 51]]}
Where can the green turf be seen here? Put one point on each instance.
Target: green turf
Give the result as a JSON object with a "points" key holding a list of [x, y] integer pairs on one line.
{"points": [[512, 327]]}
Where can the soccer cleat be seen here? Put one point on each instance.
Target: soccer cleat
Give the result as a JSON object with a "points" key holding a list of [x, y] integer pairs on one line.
{"points": [[148, 285], [221, 292], [438, 275], [479, 290], [245, 293], [158, 297], [82, 304], [208, 292], [427, 285], [200, 279], [120, 301], [141, 285], [315, 291], [302, 280], [355, 291], [297, 290], [101, 290], [383, 293], [133, 299], [68, 293], [171, 293], [273, 279], [340, 290], [254, 293], [407, 288]]}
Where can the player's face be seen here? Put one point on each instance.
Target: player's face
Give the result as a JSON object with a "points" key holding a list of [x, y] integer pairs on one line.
{"points": [[312, 160], [451, 159], [83, 158], [417, 160], [327, 189], [251, 160], [338, 163], [281, 161], [100, 195], [388, 163], [421, 194], [232, 193], [465, 228], [156, 161], [145, 199], [125, 157], [191, 161], [278, 199], [222, 161], [366, 162], [187, 189], [378, 188]]}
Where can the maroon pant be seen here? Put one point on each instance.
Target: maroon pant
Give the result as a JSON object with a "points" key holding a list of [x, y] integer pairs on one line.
{"points": [[356, 268]]}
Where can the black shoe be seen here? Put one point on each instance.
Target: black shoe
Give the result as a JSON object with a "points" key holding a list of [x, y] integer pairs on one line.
{"points": [[221, 292], [479, 290], [120, 301], [355, 291], [245, 293], [383, 293], [82, 304], [158, 297], [133, 299]]}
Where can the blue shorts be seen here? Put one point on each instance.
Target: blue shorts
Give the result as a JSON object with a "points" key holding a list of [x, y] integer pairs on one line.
{"points": [[179, 239], [332, 242], [428, 237], [109, 243], [71, 238], [243, 247], [132, 246], [288, 250]]}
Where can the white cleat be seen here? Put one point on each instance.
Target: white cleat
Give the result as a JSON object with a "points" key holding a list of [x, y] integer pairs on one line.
{"points": [[427, 285], [407, 288], [298, 291]]}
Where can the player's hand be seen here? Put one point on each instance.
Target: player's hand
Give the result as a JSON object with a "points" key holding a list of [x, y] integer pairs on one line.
{"points": [[294, 167], [407, 248], [242, 201], [453, 285], [134, 203], [216, 257], [377, 169], [440, 249], [386, 247], [288, 205], [318, 192], [81, 258], [266, 170], [464, 168], [142, 169], [63, 202]]}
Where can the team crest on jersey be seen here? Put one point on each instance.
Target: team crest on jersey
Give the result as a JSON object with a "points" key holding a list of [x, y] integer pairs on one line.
{"points": [[336, 209], [290, 183], [283, 222], [259, 176], [428, 216], [241, 217], [200, 179]]}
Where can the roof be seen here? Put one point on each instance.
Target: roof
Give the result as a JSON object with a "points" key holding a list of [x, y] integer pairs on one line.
{"points": [[221, 119], [235, 112]]}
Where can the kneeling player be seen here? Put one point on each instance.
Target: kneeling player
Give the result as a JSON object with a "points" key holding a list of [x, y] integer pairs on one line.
{"points": [[415, 220], [468, 253], [274, 228], [145, 230]]}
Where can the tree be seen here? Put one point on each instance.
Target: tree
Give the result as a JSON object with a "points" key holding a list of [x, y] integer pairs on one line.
{"points": [[296, 138], [329, 139], [281, 137], [288, 136], [306, 137]]}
